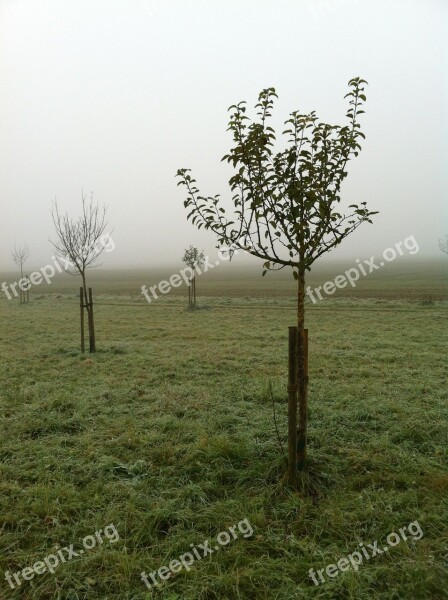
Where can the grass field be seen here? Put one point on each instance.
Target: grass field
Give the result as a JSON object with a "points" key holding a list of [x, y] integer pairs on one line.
{"points": [[168, 433]]}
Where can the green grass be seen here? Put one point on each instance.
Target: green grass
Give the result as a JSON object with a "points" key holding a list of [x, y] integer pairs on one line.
{"points": [[168, 433], [407, 278]]}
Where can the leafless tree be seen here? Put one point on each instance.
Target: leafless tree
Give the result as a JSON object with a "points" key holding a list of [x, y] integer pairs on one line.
{"points": [[20, 255], [443, 244], [79, 244]]}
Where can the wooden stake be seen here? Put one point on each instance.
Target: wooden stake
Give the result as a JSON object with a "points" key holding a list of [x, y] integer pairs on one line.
{"points": [[292, 407], [81, 304], [303, 409], [92, 323]]}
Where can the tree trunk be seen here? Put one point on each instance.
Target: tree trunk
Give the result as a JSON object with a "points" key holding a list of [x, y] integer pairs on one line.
{"points": [[301, 373]]}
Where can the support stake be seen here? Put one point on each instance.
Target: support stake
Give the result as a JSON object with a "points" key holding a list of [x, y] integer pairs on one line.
{"points": [[292, 407], [81, 305]]}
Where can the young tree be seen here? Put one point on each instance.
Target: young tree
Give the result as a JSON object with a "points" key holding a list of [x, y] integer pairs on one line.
{"points": [[443, 244], [79, 243], [20, 255], [286, 203], [193, 259]]}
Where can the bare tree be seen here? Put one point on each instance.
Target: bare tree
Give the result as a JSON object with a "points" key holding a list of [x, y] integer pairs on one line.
{"points": [[443, 244], [20, 255], [79, 244], [286, 209]]}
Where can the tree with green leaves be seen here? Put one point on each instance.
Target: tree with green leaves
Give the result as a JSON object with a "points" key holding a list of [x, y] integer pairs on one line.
{"points": [[286, 203], [443, 244], [195, 260]]}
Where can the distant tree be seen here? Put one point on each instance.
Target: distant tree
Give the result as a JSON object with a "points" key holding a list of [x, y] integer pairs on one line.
{"points": [[195, 260], [79, 242], [20, 255], [286, 205], [443, 244]]}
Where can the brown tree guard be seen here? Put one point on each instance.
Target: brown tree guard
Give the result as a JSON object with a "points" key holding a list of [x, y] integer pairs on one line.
{"points": [[301, 377], [303, 409], [292, 407]]}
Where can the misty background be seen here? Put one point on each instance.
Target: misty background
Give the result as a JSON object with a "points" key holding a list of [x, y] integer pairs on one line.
{"points": [[113, 96]]}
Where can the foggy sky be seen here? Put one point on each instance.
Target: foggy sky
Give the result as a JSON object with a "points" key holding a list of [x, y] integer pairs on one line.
{"points": [[113, 96]]}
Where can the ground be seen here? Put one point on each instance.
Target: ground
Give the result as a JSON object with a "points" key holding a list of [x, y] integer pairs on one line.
{"points": [[169, 435]]}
